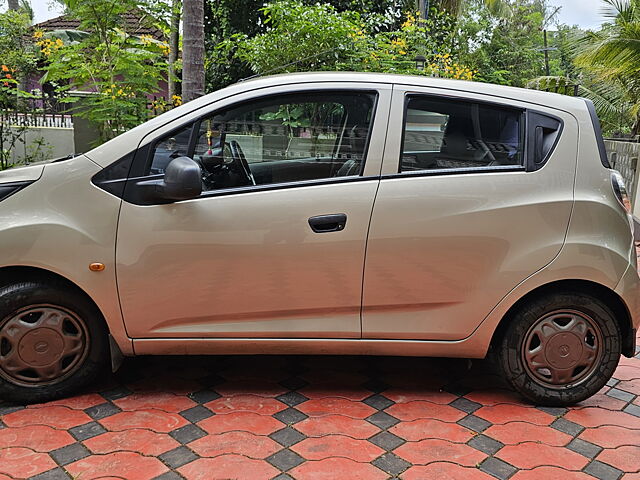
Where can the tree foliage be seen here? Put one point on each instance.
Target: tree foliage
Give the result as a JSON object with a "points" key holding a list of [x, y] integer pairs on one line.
{"points": [[118, 68]]}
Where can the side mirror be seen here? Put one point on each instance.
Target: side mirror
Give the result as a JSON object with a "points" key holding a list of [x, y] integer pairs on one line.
{"points": [[182, 181]]}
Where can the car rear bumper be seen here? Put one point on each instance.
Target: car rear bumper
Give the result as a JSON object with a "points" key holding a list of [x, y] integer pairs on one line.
{"points": [[629, 290]]}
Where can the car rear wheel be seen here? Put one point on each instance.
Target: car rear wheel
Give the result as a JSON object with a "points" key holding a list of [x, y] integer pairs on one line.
{"points": [[561, 348], [53, 341]]}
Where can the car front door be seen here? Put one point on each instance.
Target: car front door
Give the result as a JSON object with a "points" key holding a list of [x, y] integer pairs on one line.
{"points": [[464, 212], [274, 246]]}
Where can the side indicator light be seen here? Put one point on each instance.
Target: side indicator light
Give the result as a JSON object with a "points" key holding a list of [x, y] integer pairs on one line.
{"points": [[96, 267]]}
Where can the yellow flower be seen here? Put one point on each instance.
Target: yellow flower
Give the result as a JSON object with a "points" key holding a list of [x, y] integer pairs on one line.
{"points": [[38, 34], [59, 43]]}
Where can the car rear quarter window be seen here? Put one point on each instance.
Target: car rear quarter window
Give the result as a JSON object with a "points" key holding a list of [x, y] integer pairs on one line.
{"points": [[451, 134]]}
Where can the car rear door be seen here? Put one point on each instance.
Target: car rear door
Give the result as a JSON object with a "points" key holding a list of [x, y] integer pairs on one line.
{"points": [[258, 260], [469, 205]]}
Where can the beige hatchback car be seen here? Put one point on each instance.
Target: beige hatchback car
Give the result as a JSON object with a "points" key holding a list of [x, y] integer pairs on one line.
{"points": [[321, 213]]}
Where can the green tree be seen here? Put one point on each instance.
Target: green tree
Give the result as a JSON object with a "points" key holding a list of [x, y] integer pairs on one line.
{"points": [[120, 69], [612, 54]]}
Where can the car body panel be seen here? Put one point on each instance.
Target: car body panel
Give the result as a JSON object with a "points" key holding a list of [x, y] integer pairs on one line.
{"points": [[443, 250], [29, 173], [248, 264], [62, 223]]}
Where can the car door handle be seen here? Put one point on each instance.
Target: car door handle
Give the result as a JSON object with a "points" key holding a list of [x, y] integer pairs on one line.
{"points": [[328, 223]]}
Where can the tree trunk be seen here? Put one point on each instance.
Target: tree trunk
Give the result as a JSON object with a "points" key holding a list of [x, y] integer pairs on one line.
{"points": [[192, 49], [13, 4], [174, 38]]}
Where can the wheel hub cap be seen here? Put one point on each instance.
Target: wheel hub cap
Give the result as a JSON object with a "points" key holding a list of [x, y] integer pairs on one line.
{"points": [[562, 349], [41, 345]]}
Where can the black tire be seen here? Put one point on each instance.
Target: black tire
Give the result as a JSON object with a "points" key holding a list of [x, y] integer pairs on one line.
{"points": [[531, 330], [78, 321]]}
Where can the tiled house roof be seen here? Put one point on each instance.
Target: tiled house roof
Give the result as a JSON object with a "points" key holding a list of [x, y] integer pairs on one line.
{"points": [[135, 23]]}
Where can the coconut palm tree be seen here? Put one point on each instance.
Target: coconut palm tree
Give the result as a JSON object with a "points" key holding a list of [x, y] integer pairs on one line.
{"points": [[192, 49], [613, 53]]}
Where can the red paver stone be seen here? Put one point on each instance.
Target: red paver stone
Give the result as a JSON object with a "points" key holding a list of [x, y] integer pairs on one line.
{"points": [[251, 387], [242, 443], [246, 403], [36, 437], [550, 473], [596, 417], [627, 372], [5, 477], [444, 471], [626, 458], [429, 428], [234, 467], [335, 390], [513, 433], [24, 463], [336, 424], [155, 420], [529, 455], [506, 413], [632, 386], [243, 421], [337, 446], [54, 416], [404, 395], [419, 409], [336, 406], [494, 397], [603, 401], [142, 441], [611, 437], [631, 476], [129, 465], [79, 402], [168, 402], [432, 450], [337, 468]]}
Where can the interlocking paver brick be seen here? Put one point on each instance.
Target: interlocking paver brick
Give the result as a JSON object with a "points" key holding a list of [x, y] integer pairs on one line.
{"points": [[332, 468], [530, 455], [156, 420], [596, 417], [441, 470], [391, 463], [424, 428], [625, 458], [36, 437], [79, 402], [602, 471], [246, 403], [20, 462], [513, 433], [318, 407], [420, 409], [338, 424], [550, 473], [611, 436], [243, 443], [166, 401], [142, 441], [129, 465], [505, 413], [54, 416], [327, 446], [433, 450], [244, 421]]}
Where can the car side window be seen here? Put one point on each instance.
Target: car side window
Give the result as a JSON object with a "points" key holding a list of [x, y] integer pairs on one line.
{"points": [[276, 139], [445, 133], [174, 145]]}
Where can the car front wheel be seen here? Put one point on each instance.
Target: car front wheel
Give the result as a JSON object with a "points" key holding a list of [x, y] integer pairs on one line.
{"points": [[561, 348], [53, 341]]}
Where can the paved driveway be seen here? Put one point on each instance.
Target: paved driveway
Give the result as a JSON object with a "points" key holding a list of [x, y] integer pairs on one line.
{"points": [[321, 418]]}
